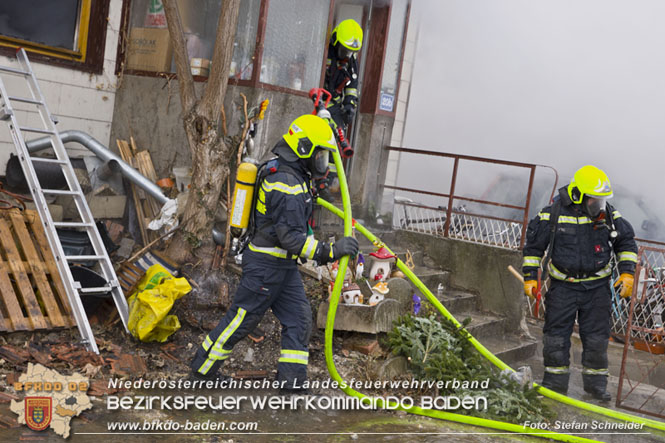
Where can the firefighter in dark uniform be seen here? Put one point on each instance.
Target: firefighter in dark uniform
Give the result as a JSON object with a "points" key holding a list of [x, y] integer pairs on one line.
{"points": [[342, 71], [584, 231], [270, 276], [341, 81]]}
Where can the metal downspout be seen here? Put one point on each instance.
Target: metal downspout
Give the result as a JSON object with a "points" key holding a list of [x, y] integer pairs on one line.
{"points": [[106, 155]]}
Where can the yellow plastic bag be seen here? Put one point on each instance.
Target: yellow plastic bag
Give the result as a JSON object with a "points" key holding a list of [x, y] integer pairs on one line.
{"points": [[150, 304]]}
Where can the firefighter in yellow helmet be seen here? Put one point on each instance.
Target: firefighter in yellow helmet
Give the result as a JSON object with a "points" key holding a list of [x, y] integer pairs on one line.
{"points": [[341, 81], [342, 71], [577, 235], [281, 235]]}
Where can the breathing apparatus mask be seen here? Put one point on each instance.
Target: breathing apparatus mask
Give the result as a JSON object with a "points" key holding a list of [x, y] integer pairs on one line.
{"points": [[344, 53], [593, 206], [317, 163]]}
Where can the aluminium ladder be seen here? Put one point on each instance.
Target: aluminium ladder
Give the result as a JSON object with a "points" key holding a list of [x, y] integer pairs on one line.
{"points": [[86, 222]]}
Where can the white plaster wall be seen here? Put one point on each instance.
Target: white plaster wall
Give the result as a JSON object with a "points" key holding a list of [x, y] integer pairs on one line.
{"points": [[79, 100]]}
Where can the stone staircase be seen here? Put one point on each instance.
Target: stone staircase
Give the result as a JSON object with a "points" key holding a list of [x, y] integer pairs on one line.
{"points": [[496, 333]]}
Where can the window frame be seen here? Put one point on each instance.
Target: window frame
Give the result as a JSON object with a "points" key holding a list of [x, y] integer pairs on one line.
{"points": [[91, 31], [259, 45], [370, 100], [377, 39]]}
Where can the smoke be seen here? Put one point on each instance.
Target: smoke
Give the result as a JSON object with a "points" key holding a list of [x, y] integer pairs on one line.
{"points": [[557, 82]]}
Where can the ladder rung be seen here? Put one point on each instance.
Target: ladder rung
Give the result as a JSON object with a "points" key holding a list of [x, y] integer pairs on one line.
{"points": [[59, 192], [95, 290], [84, 257], [13, 71], [26, 100], [48, 160], [71, 224], [40, 131]]}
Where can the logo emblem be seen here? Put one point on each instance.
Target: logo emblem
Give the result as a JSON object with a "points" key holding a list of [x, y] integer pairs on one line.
{"points": [[38, 412]]}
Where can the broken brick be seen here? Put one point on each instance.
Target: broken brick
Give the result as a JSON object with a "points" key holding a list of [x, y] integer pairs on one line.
{"points": [[129, 365], [9, 422], [6, 397], [365, 346], [14, 355], [41, 354], [12, 378], [115, 231], [76, 356], [100, 387]]}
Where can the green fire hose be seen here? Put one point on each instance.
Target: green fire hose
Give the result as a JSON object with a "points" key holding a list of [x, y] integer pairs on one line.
{"points": [[330, 321], [482, 349]]}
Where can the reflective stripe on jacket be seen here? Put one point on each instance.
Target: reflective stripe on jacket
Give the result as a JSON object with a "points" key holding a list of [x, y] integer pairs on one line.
{"points": [[582, 247]]}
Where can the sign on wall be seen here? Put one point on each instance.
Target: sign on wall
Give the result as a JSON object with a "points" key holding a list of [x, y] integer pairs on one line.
{"points": [[387, 102]]}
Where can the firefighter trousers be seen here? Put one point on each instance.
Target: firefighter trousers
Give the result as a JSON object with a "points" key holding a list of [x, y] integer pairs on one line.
{"points": [[262, 287], [564, 302]]}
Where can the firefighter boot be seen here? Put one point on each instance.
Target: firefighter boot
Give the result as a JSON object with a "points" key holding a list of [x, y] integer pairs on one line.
{"points": [[556, 382], [556, 358], [596, 385]]}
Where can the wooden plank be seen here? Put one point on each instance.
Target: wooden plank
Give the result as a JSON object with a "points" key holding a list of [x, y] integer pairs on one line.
{"points": [[49, 259], [37, 266], [126, 154], [21, 278], [16, 317], [145, 167]]}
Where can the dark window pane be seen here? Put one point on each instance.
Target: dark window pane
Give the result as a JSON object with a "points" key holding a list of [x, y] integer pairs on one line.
{"points": [[51, 23]]}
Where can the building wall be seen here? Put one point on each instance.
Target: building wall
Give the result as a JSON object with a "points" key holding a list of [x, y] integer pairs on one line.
{"points": [[79, 100], [149, 109], [397, 136]]}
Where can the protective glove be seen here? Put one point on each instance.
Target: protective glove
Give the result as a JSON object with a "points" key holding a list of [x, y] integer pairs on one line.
{"points": [[624, 285], [344, 246], [529, 288], [348, 113]]}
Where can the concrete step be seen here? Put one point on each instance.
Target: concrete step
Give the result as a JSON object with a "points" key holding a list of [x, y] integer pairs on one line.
{"points": [[511, 348], [458, 301], [432, 277], [483, 325]]}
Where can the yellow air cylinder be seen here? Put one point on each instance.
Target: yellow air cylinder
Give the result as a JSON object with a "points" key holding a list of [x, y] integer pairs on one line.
{"points": [[242, 198]]}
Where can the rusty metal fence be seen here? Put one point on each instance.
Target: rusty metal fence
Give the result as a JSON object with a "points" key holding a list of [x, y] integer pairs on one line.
{"points": [[620, 306], [452, 219], [642, 376]]}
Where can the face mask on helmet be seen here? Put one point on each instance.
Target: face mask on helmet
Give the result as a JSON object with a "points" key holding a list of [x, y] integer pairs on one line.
{"points": [[318, 162], [594, 205], [343, 52]]}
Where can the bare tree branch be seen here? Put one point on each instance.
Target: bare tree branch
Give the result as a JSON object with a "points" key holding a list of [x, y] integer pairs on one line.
{"points": [[213, 97], [177, 36]]}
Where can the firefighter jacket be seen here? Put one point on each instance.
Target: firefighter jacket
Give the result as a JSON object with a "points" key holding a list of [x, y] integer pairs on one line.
{"points": [[283, 209], [341, 79], [582, 247]]}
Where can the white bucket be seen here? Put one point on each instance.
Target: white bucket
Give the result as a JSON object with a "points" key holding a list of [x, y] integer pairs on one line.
{"points": [[183, 177]]}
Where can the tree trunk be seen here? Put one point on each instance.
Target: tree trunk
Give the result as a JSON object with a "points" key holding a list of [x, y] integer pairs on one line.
{"points": [[209, 171], [210, 154]]}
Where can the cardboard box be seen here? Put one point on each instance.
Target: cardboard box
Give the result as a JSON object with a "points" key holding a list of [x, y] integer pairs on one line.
{"points": [[199, 63], [149, 50], [203, 72]]}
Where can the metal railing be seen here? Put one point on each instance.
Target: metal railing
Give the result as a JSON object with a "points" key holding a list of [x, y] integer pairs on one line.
{"points": [[642, 380], [453, 220], [620, 306]]}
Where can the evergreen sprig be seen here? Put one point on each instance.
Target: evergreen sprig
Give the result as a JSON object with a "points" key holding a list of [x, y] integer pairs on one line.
{"points": [[439, 350]]}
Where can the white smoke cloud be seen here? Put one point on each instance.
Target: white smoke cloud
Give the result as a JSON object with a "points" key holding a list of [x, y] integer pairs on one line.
{"points": [[557, 82]]}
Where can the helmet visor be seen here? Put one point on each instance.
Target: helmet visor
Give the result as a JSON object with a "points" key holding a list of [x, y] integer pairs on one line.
{"points": [[344, 52], [320, 161], [594, 205]]}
